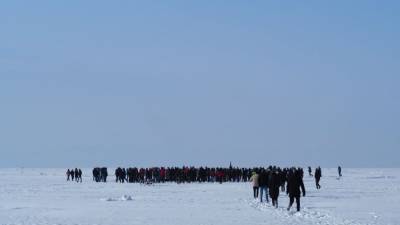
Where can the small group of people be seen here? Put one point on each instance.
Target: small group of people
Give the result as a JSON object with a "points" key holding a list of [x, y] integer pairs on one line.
{"points": [[74, 174], [120, 175], [318, 174], [100, 174], [268, 182]]}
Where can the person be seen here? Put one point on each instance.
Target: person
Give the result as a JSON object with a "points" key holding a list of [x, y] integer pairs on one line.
{"points": [[339, 171], [274, 183], [263, 184], [76, 175], [72, 174], [68, 174], [294, 183], [283, 177], [309, 171], [96, 174], [254, 180], [318, 175], [80, 175], [123, 175], [103, 174]]}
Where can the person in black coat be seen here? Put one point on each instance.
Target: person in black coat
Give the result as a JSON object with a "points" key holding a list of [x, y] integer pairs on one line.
{"points": [[76, 175], [96, 174], [68, 174], [80, 175], [72, 174], [339, 169], [294, 183], [318, 175], [263, 183], [103, 174], [274, 184]]}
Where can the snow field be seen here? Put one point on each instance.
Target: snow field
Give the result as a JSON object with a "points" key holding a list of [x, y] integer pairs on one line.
{"points": [[43, 197]]}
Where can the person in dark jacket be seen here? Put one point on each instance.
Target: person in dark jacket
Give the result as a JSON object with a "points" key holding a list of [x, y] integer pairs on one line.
{"points": [[274, 183], [96, 174], [103, 174], [283, 176], [263, 184], [76, 175], [80, 175], [68, 174], [294, 183], [318, 175], [309, 171], [72, 174], [339, 169]]}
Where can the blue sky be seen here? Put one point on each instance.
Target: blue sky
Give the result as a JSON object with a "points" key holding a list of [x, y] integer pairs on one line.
{"points": [[201, 83]]}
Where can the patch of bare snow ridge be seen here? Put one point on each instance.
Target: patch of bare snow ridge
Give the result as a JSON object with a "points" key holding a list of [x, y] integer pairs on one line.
{"points": [[305, 217], [122, 198]]}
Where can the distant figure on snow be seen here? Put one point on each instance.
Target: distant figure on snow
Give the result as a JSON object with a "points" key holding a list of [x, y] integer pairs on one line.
{"points": [[76, 175], [79, 175], [68, 173], [318, 175], [96, 174], [339, 169], [72, 174], [103, 174], [309, 171]]}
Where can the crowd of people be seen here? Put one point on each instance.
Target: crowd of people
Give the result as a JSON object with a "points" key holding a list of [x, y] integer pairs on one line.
{"points": [[74, 174], [182, 174], [267, 182], [270, 181]]}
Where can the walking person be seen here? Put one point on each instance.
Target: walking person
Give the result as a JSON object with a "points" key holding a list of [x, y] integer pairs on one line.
{"points": [[295, 182], [72, 174], [318, 175], [68, 173], [103, 174], [76, 175], [263, 184], [80, 175], [339, 171], [254, 180], [274, 183]]}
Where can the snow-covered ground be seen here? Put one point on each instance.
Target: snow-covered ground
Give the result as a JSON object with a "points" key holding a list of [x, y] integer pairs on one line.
{"points": [[42, 196]]}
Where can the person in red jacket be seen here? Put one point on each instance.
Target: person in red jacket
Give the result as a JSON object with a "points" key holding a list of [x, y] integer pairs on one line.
{"points": [[162, 174]]}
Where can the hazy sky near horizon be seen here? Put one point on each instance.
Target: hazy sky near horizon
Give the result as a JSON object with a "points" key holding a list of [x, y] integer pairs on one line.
{"points": [[86, 83]]}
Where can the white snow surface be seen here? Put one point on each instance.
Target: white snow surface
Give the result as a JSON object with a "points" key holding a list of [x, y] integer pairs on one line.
{"points": [[42, 196]]}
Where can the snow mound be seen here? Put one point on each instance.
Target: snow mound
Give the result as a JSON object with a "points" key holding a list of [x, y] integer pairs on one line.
{"points": [[121, 199]]}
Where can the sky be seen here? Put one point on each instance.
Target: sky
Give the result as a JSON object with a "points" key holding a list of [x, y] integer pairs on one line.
{"points": [[151, 83]]}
